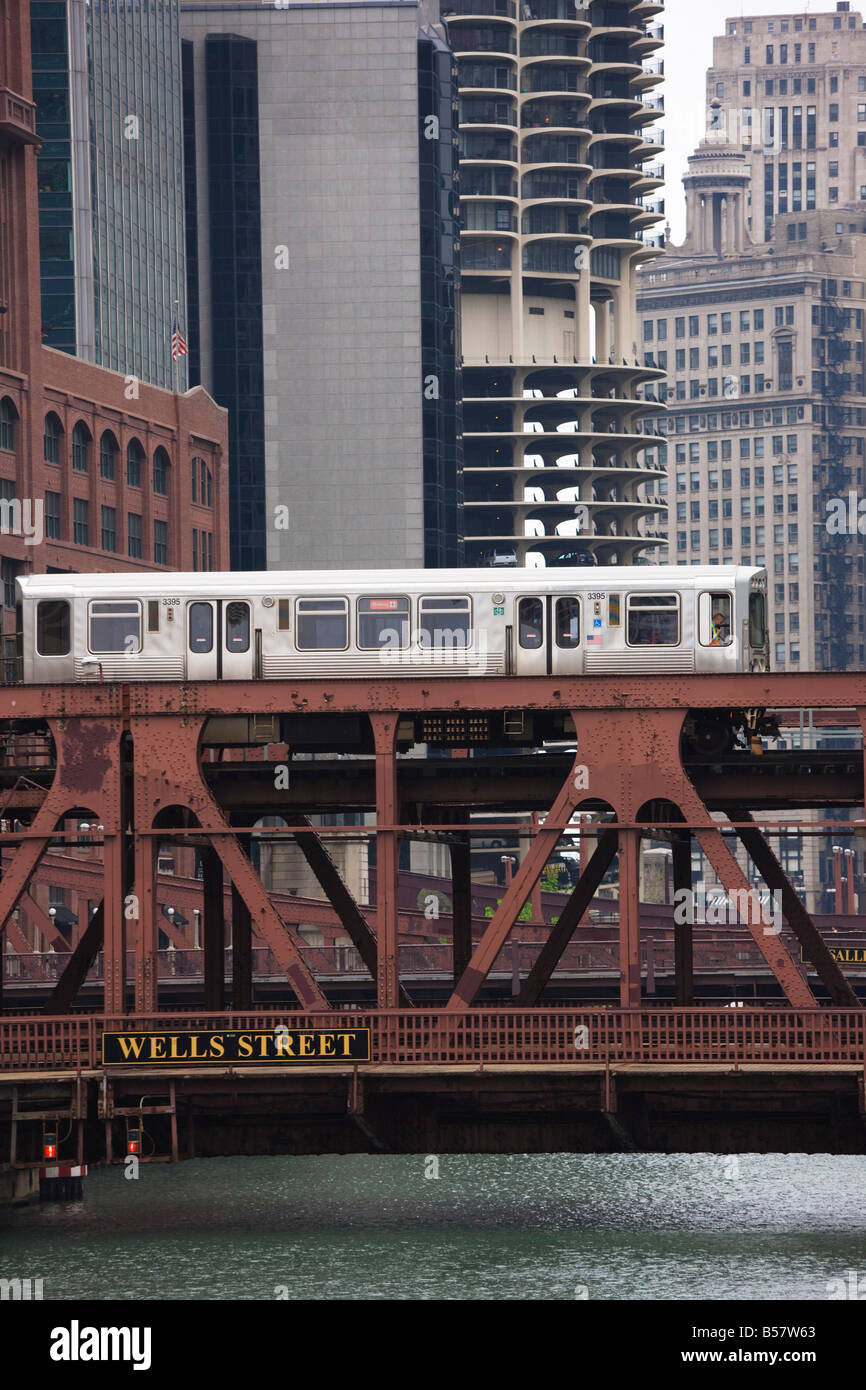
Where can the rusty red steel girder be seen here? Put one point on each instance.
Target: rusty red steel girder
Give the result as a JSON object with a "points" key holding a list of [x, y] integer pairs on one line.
{"points": [[628, 734]]}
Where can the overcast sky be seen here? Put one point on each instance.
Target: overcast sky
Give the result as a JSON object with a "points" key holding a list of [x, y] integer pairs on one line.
{"points": [[690, 27]]}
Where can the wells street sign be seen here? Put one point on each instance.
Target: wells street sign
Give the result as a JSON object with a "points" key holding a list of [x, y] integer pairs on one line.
{"points": [[235, 1047]]}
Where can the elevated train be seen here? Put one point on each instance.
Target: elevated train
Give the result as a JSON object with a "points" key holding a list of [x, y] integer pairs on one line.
{"points": [[333, 624]]}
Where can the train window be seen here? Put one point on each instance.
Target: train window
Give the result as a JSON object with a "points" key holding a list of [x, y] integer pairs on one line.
{"points": [[237, 627], [53, 627], [200, 627], [444, 622], [530, 622], [383, 622], [153, 615], [567, 623], [653, 620], [283, 614], [757, 620], [115, 626], [322, 624], [714, 620]]}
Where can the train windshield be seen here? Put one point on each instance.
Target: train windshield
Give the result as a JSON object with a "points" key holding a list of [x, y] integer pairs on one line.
{"points": [[757, 620]]}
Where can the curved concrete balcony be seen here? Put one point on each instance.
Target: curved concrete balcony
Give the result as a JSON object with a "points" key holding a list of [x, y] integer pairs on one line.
{"points": [[546, 77], [483, 216], [649, 40], [551, 152], [618, 106], [497, 39], [483, 256], [564, 113], [646, 9], [541, 41], [573, 203], [490, 76], [480, 182], [651, 73], [547, 218]]}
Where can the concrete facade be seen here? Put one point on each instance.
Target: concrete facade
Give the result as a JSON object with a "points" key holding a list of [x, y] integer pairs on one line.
{"points": [[789, 91], [559, 159], [341, 326]]}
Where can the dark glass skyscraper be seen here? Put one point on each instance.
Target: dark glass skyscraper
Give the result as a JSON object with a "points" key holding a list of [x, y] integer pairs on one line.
{"points": [[107, 84]]}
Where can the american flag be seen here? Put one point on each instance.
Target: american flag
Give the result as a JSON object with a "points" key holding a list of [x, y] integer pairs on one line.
{"points": [[178, 343]]}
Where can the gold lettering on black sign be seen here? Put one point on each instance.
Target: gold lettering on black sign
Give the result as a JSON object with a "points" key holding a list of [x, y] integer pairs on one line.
{"points": [[843, 955], [235, 1047]]}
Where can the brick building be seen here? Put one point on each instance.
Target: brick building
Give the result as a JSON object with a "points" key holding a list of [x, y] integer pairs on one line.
{"points": [[98, 471]]}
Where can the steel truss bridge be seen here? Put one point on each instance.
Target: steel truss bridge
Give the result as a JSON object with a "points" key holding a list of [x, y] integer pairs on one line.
{"points": [[141, 761]]}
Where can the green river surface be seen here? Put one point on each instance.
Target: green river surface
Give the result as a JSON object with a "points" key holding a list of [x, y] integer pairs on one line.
{"points": [[630, 1226]]}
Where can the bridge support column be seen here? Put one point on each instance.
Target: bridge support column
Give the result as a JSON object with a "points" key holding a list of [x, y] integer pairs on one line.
{"points": [[629, 919], [147, 933], [461, 898], [387, 861], [242, 973], [114, 911], [214, 940], [684, 969]]}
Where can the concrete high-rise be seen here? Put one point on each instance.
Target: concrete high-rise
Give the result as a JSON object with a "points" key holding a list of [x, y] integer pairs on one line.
{"points": [[789, 92], [559, 157], [321, 231], [107, 87]]}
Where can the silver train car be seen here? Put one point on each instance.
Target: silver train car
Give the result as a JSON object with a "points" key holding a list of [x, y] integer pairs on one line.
{"points": [[332, 624], [153, 626]]}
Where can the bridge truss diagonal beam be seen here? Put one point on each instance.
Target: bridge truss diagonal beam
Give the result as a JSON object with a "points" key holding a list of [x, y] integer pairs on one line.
{"points": [[75, 971], [527, 874], [798, 917], [569, 919], [351, 917], [174, 750]]}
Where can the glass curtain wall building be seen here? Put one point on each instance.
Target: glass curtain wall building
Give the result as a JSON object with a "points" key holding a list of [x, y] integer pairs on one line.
{"points": [[107, 86]]}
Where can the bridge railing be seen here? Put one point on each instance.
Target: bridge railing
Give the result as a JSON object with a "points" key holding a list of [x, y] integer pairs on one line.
{"points": [[489, 1037], [586, 955]]}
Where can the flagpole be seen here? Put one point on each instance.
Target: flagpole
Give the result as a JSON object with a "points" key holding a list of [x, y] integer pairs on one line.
{"points": [[174, 360]]}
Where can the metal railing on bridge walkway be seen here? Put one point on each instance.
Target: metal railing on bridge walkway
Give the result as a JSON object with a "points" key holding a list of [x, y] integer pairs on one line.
{"points": [[487, 1037]]}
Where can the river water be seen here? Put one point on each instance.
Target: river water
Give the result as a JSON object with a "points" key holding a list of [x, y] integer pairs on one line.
{"points": [[631, 1226]]}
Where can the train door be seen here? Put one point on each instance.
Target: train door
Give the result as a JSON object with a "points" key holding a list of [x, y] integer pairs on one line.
{"points": [[566, 635], [533, 631], [219, 640]]}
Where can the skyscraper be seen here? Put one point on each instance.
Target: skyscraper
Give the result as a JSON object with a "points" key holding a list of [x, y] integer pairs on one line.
{"points": [[789, 91], [322, 236], [559, 154], [758, 321], [107, 87]]}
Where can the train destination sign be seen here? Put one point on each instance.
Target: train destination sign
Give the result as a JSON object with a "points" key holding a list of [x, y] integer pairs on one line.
{"points": [[234, 1046]]}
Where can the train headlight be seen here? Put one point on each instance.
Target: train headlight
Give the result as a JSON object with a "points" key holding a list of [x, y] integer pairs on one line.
{"points": [[759, 664]]}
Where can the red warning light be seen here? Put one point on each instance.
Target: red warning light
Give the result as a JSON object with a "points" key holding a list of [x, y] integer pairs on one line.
{"points": [[133, 1142], [49, 1146]]}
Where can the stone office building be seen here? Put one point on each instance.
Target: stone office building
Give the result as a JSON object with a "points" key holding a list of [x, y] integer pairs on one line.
{"points": [[763, 348]]}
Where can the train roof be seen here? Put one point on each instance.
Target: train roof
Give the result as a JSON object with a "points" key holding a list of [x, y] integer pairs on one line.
{"points": [[155, 583]]}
